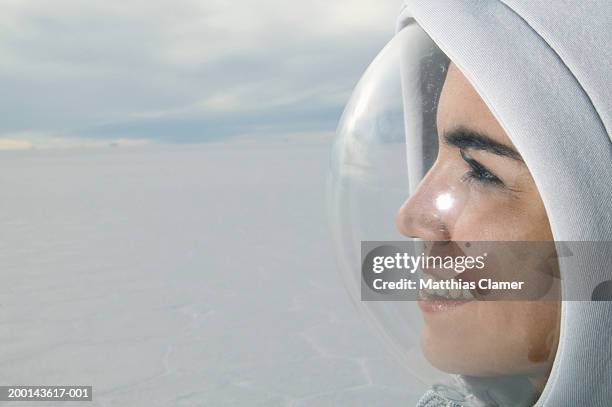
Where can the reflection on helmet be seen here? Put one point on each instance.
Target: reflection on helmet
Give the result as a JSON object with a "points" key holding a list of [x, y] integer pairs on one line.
{"points": [[420, 156]]}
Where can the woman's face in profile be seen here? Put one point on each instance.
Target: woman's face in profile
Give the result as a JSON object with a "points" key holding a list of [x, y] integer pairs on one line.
{"points": [[479, 189]]}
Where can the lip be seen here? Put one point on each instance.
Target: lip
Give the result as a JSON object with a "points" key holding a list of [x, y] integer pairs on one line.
{"points": [[431, 305]]}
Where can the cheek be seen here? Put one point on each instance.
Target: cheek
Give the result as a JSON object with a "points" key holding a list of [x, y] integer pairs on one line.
{"points": [[484, 218], [493, 216]]}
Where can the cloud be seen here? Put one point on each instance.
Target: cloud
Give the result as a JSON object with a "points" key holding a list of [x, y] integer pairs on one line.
{"points": [[14, 144], [183, 70], [29, 140]]}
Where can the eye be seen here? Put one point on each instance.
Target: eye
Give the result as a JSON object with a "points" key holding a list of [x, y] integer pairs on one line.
{"points": [[479, 172]]}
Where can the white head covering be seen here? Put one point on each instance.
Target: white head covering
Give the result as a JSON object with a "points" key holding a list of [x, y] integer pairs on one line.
{"points": [[544, 69]]}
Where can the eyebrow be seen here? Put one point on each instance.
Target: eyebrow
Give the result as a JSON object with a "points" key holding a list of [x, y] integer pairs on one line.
{"points": [[465, 138]]}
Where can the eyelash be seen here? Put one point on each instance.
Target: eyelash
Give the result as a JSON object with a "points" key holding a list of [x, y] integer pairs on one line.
{"points": [[479, 173]]}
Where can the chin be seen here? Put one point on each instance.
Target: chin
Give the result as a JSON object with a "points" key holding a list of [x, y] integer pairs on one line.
{"points": [[447, 355], [469, 354]]}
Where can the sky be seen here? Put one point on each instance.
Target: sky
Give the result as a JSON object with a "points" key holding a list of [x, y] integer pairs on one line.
{"points": [[123, 72]]}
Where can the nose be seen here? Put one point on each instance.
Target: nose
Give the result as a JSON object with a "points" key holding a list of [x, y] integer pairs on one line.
{"points": [[427, 213]]}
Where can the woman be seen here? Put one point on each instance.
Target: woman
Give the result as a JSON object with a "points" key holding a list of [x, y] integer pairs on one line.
{"points": [[489, 121], [475, 155]]}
